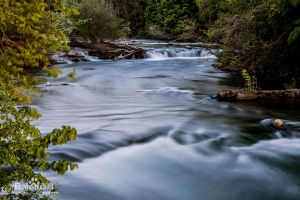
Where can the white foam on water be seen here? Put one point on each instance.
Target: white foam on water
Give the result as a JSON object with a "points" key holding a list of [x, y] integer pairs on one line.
{"points": [[166, 54], [172, 90]]}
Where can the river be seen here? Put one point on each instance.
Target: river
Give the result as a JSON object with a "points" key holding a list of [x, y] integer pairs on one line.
{"points": [[151, 129]]}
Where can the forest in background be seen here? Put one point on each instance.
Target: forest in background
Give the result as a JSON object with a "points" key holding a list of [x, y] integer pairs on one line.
{"points": [[261, 36]]}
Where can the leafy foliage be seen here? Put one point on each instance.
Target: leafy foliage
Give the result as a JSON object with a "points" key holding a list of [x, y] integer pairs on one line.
{"points": [[190, 31], [249, 82], [170, 14], [23, 148], [96, 21], [253, 33], [291, 85], [133, 11], [27, 34], [158, 18]]}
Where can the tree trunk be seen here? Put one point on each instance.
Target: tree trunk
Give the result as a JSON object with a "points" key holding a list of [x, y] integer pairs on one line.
{"points": [[235, 94]]}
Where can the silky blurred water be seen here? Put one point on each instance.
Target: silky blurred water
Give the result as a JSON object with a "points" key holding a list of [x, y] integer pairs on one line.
{"points": [[151, 129]]}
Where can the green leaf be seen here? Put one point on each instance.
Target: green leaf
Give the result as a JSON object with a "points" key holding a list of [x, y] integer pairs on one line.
{"points": [[294, 35]]}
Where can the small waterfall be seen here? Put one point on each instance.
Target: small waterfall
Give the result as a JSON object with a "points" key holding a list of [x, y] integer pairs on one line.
{"points": [[156, 55], [164, 53]]}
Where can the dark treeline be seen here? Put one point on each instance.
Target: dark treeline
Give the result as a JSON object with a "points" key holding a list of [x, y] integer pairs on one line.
{"points": [[111, 19], [162, 19], [261, 36]]}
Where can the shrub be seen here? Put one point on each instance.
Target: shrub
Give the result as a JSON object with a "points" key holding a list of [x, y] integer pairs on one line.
{"points": [[260, 36], [95, 22]]}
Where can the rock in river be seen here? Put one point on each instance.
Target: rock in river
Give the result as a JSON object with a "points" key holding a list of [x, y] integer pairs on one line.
{"points": [[279, 124]]}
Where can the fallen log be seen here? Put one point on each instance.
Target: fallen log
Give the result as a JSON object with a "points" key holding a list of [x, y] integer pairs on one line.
{"points": [[203, 45], [108, 50], [237, 95], [74, 57], [138, 53], [118, 46]]}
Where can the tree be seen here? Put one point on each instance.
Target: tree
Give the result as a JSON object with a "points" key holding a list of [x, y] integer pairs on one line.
{"points": [[27, 34], [96, 21], [170, 14], [133, 12], [259, 36]]}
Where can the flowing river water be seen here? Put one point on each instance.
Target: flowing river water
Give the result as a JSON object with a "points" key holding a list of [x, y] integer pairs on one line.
{"points": [[151, 129]]}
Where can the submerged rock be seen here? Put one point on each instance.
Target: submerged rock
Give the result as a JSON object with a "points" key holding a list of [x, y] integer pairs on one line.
{"points": [[279, 124]]}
